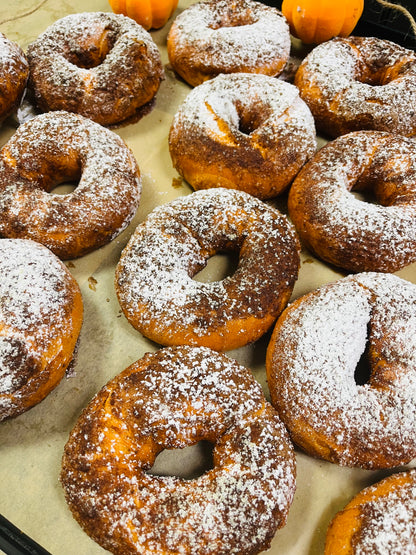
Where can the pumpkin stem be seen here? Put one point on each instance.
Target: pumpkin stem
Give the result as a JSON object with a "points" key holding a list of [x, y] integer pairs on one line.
{"points": [[401, 9]]}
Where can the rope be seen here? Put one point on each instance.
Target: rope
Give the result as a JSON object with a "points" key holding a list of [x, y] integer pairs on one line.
{"points": [[24, 14], [399, 8]]}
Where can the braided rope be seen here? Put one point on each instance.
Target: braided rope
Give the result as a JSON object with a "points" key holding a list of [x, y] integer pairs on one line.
{"points": [[399, 8]]}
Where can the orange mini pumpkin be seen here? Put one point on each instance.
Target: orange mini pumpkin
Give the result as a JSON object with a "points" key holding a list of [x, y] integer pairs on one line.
{"points": [[151, 14], [316, 21]]}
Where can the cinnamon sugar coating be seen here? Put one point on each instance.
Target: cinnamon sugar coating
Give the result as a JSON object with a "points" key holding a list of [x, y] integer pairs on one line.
{"points": [[319, 340], [216, 36], [101, 65], [370, 234], [242, 131], [63, 147], [380, 519], [154, 275], [358, 83], [170, 399], [40, 320], [14, 72]]}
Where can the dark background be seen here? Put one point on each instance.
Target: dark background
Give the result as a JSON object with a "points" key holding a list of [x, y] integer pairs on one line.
{"points": [[381, 22]]}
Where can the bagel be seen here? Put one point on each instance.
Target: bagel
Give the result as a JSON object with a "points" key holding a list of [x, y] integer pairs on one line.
{"points": [[103, 66], [171, 399], [331, 411], [40, 321], [58, 147], [376, 234], [216, 36], [379, 519], [242, 131], [14, 72], [356, 83], [154, 282]]}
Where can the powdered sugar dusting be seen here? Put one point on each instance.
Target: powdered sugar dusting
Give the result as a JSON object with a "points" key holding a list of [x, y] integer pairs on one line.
{"points": [[35, 290], [102, 65], [53, 147], [14, 70], [219, 100], [12, 57], [389, 521], [174, 398], [154, 275], [312, 362], [360, 83], [345, 230], [242, 131], [209, 38]]}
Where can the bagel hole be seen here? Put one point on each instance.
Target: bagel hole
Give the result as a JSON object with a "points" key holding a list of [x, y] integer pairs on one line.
{"points": [[187, 463], [362, 372], [218, 267], [375, 75], [65, 188], [248, 120], [66, 176], [365, 195]]}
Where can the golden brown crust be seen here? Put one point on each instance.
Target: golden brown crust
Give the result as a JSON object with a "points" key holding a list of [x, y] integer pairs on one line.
{"points": [[40, 321], [217, 36], [103, 66], [247, 132], [170, 399], [358, 83], [345, 230], [14, 72], [63, 147], [379, 519], [154, 275], [312, 362]]}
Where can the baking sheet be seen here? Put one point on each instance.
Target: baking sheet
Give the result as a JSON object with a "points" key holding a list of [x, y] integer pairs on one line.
{"points": [[31, 445]]}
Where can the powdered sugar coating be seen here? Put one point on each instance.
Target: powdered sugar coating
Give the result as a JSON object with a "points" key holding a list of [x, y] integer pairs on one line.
{"points": [[101, 65], [14, 71], [360, 83], [212, 37], [37, 298], [242, 131], [345, 230], [169, 399], [389, 526], [380, 519], [311, 363], [60, 146], [154, 275]]}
